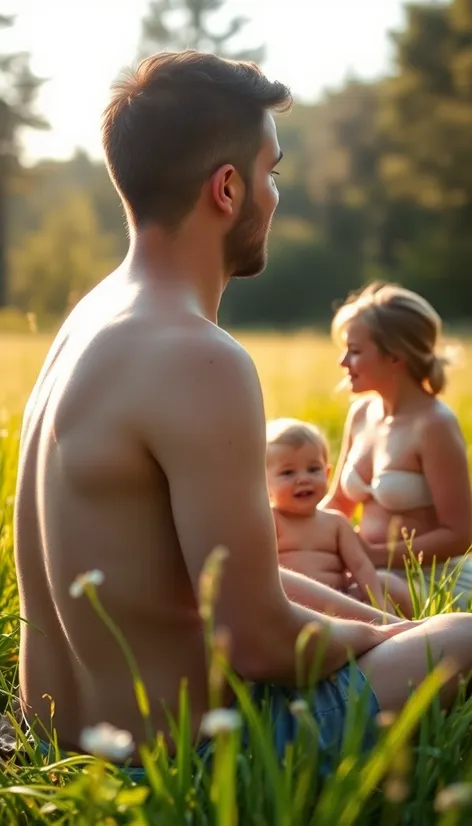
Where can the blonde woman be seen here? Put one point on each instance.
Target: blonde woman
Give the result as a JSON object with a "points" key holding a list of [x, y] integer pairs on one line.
{"points": [[403, 456]]}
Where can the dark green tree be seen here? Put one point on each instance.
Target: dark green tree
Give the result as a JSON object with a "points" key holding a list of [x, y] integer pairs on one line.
{"points": [[18, 90], [426, 118], [66, 256], [427, 107], [186, 24]]}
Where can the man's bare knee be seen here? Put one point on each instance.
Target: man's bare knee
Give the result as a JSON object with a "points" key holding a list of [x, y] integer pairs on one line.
{"points": [[451, 636], [446, 636]]}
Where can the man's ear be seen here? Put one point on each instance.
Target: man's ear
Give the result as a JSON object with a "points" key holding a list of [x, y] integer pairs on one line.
{"points": [[227, 190]]}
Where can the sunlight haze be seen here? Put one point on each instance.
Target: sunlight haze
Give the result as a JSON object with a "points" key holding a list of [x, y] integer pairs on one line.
{"points": [[81, 49]]}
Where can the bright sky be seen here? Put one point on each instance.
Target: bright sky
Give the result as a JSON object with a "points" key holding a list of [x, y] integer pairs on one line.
{"points": [[80, 47]]}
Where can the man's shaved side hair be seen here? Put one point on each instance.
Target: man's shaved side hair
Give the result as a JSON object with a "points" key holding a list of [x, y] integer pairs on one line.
{"points": [[174, 121]]}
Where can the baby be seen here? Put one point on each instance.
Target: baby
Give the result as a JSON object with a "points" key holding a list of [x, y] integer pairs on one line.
{"points": [[320, 544]]}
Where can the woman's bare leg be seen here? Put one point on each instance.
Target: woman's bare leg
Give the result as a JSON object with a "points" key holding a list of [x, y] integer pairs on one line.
{"points": [[402, 661]]}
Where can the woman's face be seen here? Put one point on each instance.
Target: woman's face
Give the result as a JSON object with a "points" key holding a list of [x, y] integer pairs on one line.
{"points": [[368, 368]]}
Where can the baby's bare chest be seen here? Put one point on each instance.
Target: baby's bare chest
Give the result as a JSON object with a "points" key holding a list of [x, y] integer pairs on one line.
{"points": [[313, 534]]}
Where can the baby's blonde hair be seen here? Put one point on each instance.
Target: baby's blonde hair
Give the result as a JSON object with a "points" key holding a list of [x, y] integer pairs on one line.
{"points": [[296, 433], [400, 322]]}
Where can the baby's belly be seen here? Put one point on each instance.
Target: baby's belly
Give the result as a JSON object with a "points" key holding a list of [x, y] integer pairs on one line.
{"points": [[324, 567], [378, 526]]}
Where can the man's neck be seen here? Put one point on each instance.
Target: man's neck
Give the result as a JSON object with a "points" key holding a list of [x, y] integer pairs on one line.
{"points": [[181, 265]]}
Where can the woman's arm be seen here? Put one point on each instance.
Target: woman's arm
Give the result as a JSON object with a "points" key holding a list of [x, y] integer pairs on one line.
{"points": [[336, 499], [444, 462]]}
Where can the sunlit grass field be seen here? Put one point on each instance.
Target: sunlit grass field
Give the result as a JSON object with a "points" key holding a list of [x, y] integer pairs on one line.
{"points": [[420, 773], [299, 375]]}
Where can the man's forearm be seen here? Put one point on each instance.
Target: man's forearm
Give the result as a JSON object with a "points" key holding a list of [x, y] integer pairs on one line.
{"points": [[329, 644], [318, 597], [332, 644]]}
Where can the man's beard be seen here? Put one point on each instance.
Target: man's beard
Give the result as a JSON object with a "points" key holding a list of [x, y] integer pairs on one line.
{"points": [[246, 243]]}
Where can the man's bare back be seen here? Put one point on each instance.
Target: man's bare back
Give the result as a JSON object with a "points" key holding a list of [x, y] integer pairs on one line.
{"points": [[104, 503]]}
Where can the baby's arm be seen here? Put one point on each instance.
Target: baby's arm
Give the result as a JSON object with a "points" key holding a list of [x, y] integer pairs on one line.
{"points": [[358, 563]]}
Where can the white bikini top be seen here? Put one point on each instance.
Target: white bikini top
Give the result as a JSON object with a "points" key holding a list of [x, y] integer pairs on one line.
{"points": [[394, 490]]}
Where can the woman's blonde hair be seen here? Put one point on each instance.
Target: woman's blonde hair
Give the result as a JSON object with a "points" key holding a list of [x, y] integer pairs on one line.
{"points": [[400, 322]]}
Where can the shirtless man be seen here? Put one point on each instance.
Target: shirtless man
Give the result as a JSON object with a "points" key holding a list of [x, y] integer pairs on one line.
{"points": [[143, 442]]}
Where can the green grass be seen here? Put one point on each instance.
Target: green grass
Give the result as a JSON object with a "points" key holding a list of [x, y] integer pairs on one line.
{"points": [[419, 774]]}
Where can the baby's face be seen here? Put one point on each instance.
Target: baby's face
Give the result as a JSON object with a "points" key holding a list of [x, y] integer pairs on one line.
{"points": [[297, 477]]}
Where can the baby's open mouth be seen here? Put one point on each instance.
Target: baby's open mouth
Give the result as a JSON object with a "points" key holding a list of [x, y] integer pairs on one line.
{"points": [[303, 494]]}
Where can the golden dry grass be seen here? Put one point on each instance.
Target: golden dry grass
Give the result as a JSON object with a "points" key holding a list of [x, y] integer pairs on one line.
{"points": [[299, 375]]}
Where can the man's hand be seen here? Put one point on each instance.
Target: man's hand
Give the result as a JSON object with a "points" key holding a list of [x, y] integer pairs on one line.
{"points": [[400, 627], [374, 635]]}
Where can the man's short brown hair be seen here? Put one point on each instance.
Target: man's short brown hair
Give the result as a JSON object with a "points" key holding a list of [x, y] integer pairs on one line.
{"points": [[175, 120]]}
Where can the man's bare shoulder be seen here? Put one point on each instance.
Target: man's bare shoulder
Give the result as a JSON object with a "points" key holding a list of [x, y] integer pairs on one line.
{"points": [[196, 337], [196, 352], [196, 379]]}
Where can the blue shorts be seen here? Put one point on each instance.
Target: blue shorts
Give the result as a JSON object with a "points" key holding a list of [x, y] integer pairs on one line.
{"points": [[346, 692]]}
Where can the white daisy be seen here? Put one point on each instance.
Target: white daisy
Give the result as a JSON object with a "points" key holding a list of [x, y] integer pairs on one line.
{"points": [[220, 720], [94, 577], [107, 741]]}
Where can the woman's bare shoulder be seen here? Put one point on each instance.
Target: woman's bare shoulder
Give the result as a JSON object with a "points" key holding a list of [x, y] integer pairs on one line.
{"points": [[363, 409], [438, 418]]}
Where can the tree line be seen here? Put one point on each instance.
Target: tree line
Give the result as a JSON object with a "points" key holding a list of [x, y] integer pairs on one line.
{"points": [[376, 182]]}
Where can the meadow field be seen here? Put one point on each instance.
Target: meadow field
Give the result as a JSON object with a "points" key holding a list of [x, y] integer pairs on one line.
{"points": [[299, 375], [419, 774]]}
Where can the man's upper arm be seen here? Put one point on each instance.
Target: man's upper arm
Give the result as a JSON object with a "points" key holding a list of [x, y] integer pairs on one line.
{"points": [[207, 432]]}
